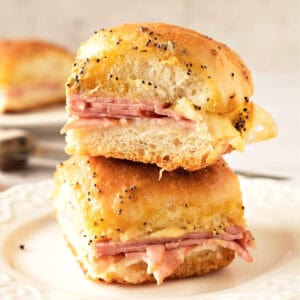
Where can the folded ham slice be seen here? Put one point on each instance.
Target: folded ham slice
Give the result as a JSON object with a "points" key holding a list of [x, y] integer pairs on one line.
{"points": [[97, 107], [161, 262], [165, 255], [109, 108]]}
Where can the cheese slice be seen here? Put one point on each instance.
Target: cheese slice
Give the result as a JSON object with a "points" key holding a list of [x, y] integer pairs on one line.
{"points": [[259, 124]]}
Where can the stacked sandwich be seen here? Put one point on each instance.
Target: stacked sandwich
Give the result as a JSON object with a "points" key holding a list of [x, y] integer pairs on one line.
{"points": [[146, 195]]}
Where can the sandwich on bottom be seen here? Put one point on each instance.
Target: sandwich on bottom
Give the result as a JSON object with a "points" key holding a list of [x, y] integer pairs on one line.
{"points": [[127, 222]]}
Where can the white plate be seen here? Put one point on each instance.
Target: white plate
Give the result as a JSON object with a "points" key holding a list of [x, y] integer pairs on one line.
{"points": [[54, 115], [47, 270]]}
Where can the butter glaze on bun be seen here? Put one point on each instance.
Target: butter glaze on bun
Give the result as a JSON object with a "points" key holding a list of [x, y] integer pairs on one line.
{"points": [[181, 62], [178, 199]]}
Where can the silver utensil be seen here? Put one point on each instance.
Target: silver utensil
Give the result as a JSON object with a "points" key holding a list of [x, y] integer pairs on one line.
{"points": [[253, 175]]}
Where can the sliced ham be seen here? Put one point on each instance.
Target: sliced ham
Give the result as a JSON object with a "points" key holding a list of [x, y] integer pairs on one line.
{"points": [[42, 86], [112, 248], [164, 255], [170, 262], [100, 107], [97, 107], [154, 257], [162, 262], [89, 122]]}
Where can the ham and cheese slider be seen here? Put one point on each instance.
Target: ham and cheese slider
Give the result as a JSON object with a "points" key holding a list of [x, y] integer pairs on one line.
{"points": [[32, 74], [162, 94], [125, 222]]}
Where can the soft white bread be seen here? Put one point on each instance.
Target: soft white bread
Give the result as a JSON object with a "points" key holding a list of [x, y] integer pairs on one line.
{"points": [[105, 201], [169, 146], [200, 80], [32, 74]]}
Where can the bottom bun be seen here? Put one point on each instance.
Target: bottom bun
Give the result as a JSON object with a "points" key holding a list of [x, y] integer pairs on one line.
{"points": [[195, 264]]}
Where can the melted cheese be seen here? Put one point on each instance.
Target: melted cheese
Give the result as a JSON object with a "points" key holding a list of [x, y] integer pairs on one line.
{"points": [[260, 125], [168, 232], [219, 125], [263, 126]]}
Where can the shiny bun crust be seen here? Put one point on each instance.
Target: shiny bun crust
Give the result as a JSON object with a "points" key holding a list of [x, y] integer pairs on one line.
{"points": [[121, 200], [31, 61], [161, 62]]}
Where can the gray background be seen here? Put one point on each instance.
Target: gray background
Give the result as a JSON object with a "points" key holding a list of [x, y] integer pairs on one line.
{"points": [[264, 32]]}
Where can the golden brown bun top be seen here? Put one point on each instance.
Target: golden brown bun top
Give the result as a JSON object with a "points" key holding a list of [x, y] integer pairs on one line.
{"points": [[206, 65], [119, 199], [20, 59]]}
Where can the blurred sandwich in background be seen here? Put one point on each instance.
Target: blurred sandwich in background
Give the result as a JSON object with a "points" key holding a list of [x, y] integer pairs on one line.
{"points": [[32, 74]]}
